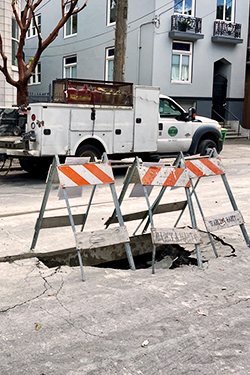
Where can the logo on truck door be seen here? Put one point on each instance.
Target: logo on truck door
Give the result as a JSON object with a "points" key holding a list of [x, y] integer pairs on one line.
{"points": [[172, 131]]}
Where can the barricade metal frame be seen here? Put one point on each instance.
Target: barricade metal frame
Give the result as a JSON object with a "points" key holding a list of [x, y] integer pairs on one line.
{"points": [[117, 235], [134, 175], [217, 170]]}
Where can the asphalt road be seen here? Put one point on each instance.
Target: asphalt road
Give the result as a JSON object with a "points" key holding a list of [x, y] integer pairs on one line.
{"points": [[185, 320]]}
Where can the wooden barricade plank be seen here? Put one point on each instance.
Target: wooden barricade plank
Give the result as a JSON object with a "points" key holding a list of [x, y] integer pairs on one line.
{"points": [[204, 167], [161, 236], [85, 174], [101, 238], [161, 208], [222, 221], [61, 221], [163, 176]]}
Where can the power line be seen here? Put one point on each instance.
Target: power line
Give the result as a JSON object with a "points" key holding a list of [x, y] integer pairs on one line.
{"points": [[86, 48], [106, 32]]}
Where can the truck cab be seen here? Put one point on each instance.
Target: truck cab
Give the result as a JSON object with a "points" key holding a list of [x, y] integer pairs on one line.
{"points": [[179, 130]]}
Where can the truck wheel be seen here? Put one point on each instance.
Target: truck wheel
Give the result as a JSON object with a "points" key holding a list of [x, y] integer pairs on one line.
{"points": [[35, 166], [205, 146], [89, 150], [16, 131]]}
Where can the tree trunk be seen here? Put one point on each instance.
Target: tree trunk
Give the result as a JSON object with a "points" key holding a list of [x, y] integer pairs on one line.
{"points": [[22, 94], [120, 40]]}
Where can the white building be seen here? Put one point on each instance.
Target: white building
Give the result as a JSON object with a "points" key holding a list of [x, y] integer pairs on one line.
{"points": [[9, 32]]}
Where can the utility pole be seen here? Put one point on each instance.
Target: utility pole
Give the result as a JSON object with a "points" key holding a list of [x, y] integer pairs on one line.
{"points": [[120, 40]]}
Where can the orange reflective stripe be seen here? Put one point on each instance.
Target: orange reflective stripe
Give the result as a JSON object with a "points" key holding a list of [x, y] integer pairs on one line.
{"points": [[173, 177], [195, 170], [72, 175], [212, 166], [150, 175], [97, 172]]}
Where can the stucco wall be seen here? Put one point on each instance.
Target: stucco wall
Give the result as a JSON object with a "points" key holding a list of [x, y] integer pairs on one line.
{"points": [[7, 92]]}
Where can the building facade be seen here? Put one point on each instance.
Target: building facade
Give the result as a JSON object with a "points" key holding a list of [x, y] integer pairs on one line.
{"points": [[10, 34], [194, 50]]}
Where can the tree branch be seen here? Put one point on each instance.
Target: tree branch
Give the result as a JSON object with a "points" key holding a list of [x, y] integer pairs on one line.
{"points": [[38, 31], [4, 68], [16, 15], [81, 8]]}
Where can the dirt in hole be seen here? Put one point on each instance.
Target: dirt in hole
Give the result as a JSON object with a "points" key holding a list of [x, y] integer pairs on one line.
{"points": [[167, 256]]}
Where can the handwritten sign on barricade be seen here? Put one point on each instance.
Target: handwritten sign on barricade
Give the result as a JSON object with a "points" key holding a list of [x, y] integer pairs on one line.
{"points": [[101, 238], [161, 236], [224, 221]]}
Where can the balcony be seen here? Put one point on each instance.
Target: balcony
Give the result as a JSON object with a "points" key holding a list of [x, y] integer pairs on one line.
{"points": [[185, 27], [227, 32]]}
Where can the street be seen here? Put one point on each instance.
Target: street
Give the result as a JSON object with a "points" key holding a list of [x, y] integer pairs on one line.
{"points": [[184, 320]]}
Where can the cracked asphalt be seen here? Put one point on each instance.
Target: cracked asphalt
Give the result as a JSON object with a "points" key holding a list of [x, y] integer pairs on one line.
{"points": [[179, 321]]}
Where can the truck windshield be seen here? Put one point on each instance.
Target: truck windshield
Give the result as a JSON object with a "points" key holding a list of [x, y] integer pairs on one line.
{"points": [[168, 109]]}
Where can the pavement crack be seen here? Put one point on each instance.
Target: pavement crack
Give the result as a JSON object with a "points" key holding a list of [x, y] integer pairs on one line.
{"points": [[23, 303], [47, 286]]}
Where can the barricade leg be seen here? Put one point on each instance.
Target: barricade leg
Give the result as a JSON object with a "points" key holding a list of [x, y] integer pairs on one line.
{"points": [[152, 226], [194, 225], [44, 203], [120, 220], [180, 216], [88, 208], [154, 206], [234, 205], [203, 218], [124, 189], [74, 230]]}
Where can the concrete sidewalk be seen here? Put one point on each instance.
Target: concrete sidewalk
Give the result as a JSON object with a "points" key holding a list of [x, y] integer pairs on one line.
{"points": [[178, 321]]}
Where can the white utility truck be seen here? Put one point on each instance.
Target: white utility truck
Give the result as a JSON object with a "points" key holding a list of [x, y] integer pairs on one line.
{"points": [[87, 118]]}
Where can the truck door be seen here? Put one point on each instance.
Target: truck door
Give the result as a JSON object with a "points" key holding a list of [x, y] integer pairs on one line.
{"points": [[54, 130], [123, 131], [146, 118], [175, 134]]}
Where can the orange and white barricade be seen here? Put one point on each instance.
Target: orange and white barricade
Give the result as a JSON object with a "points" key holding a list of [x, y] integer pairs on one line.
{"points": [[211, 166], [162, 176], [79, 175]]}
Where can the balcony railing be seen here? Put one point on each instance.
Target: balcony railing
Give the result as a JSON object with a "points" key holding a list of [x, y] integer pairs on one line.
{"points": [[227, 29], [180, 22]]}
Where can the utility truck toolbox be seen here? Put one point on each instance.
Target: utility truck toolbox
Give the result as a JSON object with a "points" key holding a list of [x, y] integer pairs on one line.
{"points": [[92, 92]]}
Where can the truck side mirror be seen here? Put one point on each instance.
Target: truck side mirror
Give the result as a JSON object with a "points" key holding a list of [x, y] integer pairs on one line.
{"points": [[192, 113]]}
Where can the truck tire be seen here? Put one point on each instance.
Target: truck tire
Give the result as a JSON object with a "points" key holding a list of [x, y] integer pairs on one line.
{"points": [[205, 146], [89, 150], [35, 166]]}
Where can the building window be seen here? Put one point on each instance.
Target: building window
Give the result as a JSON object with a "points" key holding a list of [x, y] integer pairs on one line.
{"points": [[225, 10], [181, 62], [111, 6], [32, 30], [110, 52], [14, 40], [37, 75], [184, 7], [70, 27], [70, 64]]}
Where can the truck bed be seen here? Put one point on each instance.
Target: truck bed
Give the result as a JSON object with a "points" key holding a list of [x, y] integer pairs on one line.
{"points": [[10, 142]]}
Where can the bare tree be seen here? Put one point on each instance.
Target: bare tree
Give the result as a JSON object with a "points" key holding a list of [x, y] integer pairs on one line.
{"points": [[25, 70]]}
